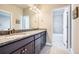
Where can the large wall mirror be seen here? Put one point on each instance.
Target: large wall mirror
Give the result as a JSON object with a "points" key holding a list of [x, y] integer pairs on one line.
{"points": [[5, 20]]}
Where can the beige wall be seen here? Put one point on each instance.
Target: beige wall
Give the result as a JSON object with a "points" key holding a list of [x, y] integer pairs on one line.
{"points": [[75, 31], [16, 14], [45, 19]]}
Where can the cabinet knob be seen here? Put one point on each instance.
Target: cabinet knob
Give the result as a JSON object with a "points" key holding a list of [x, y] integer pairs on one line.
{"points": [[25, 49], [22, 51]]}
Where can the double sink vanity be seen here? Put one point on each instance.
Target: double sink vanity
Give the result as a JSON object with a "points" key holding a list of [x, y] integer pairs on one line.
{"points": [[28, 42]]}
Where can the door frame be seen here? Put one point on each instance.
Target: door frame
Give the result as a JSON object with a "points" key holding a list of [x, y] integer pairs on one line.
{"points": [[52, 17], [67, 29]]}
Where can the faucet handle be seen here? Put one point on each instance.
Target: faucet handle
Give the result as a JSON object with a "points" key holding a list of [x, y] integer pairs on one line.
{"points": [[13, 30]]}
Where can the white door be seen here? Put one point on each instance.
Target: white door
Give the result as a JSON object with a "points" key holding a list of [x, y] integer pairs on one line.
{"points": [[62, 26]]}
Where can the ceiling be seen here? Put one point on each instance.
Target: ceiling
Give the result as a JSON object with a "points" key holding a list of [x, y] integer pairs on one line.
{"points": [[22, 5], [40, 5]]}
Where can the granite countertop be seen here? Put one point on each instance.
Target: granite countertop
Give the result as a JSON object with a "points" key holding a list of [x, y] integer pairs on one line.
{"points": [[5, 39]]}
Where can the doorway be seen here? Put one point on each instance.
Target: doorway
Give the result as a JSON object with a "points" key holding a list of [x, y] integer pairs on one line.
{"points": [[62, 27]]}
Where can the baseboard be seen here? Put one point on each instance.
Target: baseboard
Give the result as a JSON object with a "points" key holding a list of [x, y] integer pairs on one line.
{"points": [[49, 44], [71, 51]]}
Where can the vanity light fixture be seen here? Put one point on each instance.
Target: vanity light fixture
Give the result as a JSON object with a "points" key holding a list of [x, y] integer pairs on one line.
{"points": [[34, 9]]}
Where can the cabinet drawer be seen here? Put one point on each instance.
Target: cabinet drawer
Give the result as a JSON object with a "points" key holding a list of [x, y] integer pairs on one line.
{"points": [[37, 36], [43, 33], [13, 46]]}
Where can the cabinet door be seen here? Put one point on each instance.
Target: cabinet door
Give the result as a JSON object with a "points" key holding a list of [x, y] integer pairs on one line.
{"points": [[43, 41], [29, 49], [37, 45]]}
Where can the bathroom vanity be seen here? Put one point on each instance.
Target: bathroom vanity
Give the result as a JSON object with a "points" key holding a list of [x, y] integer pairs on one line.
{"points": [[29, 42]]}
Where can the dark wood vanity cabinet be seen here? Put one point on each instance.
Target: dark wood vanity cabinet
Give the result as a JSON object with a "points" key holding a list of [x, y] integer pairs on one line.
{"points": [[40, 42], [29, 45]]}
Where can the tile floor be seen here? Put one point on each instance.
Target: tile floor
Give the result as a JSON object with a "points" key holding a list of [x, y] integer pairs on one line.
{"points": [[53, 50], [56, 48]]}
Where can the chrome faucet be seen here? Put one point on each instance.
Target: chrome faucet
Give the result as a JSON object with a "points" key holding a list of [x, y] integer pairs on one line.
{"points": [[11, 31]]}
